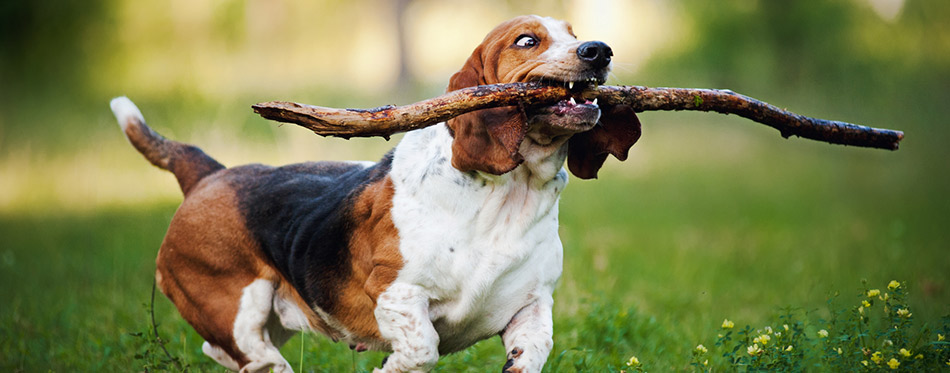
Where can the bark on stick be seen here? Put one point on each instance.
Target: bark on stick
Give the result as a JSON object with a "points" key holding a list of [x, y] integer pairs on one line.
{"points": [[387, 120]]}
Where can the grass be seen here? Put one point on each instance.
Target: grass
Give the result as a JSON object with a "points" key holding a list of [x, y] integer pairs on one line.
{"points": [[707, 221]]}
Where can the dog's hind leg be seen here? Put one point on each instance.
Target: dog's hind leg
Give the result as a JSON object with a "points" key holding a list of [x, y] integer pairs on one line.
{"points": [[257, 330], [219, 355]]}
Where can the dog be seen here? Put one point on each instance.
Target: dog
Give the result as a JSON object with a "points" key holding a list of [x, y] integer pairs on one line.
{"points": [[451, 238]]}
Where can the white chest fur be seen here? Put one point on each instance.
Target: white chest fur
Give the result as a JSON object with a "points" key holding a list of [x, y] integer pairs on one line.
{"points": [[481, 247]]}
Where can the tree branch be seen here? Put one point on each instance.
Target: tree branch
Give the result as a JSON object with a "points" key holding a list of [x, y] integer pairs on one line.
{"points": [[387, 120]]}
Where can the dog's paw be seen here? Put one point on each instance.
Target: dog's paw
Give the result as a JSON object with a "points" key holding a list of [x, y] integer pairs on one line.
{"points": [[510, 364]]}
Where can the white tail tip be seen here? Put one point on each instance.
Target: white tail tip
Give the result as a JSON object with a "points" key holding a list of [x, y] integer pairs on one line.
{"points": [[125, 111]]}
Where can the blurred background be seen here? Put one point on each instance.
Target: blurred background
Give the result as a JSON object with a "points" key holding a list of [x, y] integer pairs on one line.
{"points": [[195, 66], [713, 216]]}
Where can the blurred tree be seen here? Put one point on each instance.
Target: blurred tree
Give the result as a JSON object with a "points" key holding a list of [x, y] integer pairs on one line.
{"points": [[405, 78], [829, 44], [46, 45]]}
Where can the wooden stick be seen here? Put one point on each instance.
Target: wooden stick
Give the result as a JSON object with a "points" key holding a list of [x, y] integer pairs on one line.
{"points": [[387, 120]]}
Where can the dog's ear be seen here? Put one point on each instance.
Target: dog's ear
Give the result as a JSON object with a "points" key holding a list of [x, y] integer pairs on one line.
{"points": [[485, 140], [617, 130]]}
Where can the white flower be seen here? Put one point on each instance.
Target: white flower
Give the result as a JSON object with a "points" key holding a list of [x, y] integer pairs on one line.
{"points": [[754, 350]]}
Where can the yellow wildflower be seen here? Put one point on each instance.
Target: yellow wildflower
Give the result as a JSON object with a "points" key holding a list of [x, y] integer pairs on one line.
{"points": [[865, 304], [893, 285], [873, 293], [839, 350], [726, 324], [893, 363], [903, 312], [883, 297], [940, 337], [706, 362], [904, 352], [753, 350], [789, 348], [876, 357], [864, 362], [785, 326], [763, 339], [823, 333], [919, 356], [702, 349], [633, 362]]}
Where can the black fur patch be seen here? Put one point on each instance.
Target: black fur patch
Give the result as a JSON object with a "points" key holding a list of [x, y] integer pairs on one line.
{"points": [[508, 364], [299, 214]]}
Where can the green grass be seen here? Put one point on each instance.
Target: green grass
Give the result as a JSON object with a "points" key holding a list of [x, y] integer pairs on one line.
{"points": [[727, 223]]}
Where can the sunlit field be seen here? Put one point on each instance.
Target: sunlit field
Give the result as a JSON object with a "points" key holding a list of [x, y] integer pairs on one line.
{"points": [[712, 218]]}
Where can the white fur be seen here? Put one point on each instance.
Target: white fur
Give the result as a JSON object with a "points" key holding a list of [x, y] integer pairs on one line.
{"points": [[562, 42], [254, 327], [480, 248], [403, 315], [125, 111], [563, 47], [290, 316], [219, 355]]}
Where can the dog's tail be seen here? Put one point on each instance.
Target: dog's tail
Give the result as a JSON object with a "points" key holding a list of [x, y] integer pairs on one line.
{"points": [[187, 162]]}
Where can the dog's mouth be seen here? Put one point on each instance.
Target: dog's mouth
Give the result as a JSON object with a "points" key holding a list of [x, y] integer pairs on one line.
{"points": [[575, 113]]}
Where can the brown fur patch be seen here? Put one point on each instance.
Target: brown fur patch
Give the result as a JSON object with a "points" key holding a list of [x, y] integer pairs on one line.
{"points": [[189, 163], [619, 129], [375, 259]]}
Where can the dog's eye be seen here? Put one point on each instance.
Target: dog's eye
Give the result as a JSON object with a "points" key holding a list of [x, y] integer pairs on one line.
{"points": [[526, 41]]}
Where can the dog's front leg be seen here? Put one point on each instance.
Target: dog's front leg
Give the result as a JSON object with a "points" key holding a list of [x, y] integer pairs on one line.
{"points": [[528, 338], [402, 312]]}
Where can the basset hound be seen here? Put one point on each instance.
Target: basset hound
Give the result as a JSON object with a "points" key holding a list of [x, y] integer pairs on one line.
{"points": [[451, 238]]}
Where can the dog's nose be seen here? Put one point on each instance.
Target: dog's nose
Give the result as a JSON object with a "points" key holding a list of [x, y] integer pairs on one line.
{"points": [[596, 53]]}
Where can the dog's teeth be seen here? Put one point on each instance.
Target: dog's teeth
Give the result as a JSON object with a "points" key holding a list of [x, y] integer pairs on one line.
{"points": [[570, 85], [573, 102], [594, 102]]}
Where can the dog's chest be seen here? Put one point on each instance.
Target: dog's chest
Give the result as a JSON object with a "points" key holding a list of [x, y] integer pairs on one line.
{"points": [[482, 251]]}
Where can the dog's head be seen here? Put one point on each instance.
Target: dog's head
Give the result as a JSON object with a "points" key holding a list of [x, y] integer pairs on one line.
{"points": [[532, 48]]}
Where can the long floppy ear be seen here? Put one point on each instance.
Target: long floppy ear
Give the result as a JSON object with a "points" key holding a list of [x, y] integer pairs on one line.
{"points": [[485, 140], [616, 132]]}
